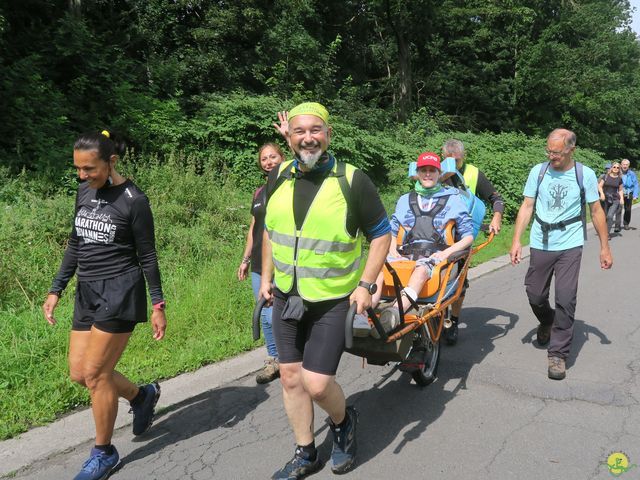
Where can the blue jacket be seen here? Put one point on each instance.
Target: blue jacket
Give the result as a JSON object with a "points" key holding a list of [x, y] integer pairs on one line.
{"points": [[630, 183], [455, 209]]}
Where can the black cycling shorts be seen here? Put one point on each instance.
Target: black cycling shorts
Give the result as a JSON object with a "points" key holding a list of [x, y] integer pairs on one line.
{"points": [[317, 340], [113, 305]]}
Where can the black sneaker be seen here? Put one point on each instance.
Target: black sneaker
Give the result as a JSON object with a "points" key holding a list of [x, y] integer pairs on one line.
{"points": [[543, 335], [298, 467], [143, 413], [451, 334], [343, 453]]}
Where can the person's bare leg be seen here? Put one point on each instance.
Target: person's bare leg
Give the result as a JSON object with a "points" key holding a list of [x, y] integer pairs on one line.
{"points": [[297, 402], [456, 307], [324, 391], [418, 278], [100, 358], [78, 342]]}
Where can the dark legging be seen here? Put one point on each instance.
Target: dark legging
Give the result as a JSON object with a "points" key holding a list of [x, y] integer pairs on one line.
{"points": [[628, 204], [611, 210]]}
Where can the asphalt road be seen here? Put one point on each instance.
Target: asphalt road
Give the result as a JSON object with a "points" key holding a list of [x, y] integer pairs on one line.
{"points": [[491, 414]]}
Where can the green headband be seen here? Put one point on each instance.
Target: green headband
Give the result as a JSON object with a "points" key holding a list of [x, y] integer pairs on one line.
{"points": [[310, 108]]}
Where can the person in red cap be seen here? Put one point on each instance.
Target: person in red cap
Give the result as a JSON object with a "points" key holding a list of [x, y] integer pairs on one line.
{"points": [[423, 214]]}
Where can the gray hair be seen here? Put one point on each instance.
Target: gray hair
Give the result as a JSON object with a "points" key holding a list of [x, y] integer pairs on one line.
{"points": [[567, 136], [625, 160], [453, 146]]}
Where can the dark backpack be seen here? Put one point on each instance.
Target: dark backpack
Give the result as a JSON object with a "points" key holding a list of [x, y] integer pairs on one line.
{"points": [[547, 227]]}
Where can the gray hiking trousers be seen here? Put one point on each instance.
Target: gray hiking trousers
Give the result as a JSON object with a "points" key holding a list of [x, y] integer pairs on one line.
{"points": [[565, 265]]}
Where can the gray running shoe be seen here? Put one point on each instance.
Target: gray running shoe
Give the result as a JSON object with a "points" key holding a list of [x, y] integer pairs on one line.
{"points": [[343, 453]]}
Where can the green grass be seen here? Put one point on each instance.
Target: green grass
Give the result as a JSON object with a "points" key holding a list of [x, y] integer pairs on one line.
{"points": [[209, 319]]}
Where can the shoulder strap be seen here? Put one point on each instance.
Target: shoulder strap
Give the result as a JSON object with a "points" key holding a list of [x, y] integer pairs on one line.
{"points": [[413, 203], [284, 175], [583, 198], [341, 175], [543, 170]]}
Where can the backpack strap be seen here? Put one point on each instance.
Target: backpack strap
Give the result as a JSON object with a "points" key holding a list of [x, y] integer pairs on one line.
{"points": [[543, 170], [285, 174], [583, 198], [341, 175]]}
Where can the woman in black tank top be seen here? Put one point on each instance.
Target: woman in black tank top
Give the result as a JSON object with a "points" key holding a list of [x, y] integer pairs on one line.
{"points": [[611, 193]]}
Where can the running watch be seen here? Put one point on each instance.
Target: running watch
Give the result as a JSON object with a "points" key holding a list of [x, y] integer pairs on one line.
{"points": [[370, 287]]}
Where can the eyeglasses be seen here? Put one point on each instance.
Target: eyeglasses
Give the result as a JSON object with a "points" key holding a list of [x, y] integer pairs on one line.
{"points": [[553, 153], [615, 168]]}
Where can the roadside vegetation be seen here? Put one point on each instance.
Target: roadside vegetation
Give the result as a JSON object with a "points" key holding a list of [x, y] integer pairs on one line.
{"points": [[201, 208]]}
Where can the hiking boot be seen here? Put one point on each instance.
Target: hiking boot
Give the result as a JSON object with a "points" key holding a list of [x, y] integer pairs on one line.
{"points": [[543, 335], [414, 362], [99, 465], [343, 453], [389, 319], [143, 412], [557, 368], [626, 227], [298, 467], [451, 333], [269, 372]]}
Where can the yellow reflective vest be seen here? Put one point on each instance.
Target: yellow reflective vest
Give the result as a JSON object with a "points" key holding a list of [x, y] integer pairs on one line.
{"points": [[471, 177], [323, 258]]}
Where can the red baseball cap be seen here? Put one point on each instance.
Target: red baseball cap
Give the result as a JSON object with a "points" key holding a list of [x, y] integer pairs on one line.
{"points": [[429, 159]]}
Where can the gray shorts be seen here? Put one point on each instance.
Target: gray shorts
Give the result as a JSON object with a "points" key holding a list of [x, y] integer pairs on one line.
{"points": [[420, 262]]}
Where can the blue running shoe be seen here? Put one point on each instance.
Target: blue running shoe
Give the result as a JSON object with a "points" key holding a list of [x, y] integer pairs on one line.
{"points": [[99, 465], [299, 467], [343, 454], [143, 413]]}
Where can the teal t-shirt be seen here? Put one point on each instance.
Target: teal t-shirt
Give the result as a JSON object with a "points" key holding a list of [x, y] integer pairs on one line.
{"points": [[559, 200]]}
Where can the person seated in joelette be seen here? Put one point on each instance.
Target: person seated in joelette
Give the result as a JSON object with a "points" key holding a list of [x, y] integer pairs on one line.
{"points": [[423, 213]]}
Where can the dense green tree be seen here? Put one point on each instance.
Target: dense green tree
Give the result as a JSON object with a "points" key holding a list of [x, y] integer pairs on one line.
{"points": [[151, 67]]}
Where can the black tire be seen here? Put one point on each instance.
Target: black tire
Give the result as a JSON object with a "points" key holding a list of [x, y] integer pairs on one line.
{"points": [[427, 375]]}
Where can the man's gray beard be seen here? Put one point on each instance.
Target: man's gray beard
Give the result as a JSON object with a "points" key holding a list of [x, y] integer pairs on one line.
{"points": [[309, 160]]}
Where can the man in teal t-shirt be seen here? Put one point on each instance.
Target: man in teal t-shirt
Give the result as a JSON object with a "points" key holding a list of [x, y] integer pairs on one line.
{"points": [[557, 209]]}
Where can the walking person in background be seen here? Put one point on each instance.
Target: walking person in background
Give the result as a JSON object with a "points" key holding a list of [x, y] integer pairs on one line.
{"points": [[269, 156], [479, 185], [630, 192], [556, 195], [111, 244], [611, 193]]}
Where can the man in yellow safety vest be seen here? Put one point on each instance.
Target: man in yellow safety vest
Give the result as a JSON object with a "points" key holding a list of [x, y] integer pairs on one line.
{"points": [[478, 184], [319, 211]]}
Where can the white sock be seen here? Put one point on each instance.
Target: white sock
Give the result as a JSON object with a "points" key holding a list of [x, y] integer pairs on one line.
{"points": [[411, 293]]}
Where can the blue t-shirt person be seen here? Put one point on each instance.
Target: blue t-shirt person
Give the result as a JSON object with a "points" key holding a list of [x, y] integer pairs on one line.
{"points": [[455, 209], [559, 200]]}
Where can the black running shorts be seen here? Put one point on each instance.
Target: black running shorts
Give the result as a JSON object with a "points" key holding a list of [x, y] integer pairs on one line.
{"points": [[113, 305], [317, 340]]}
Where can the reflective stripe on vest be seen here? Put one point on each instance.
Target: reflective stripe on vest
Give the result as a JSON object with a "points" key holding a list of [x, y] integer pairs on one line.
{"points": [[471, 173], [325, 260]]}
